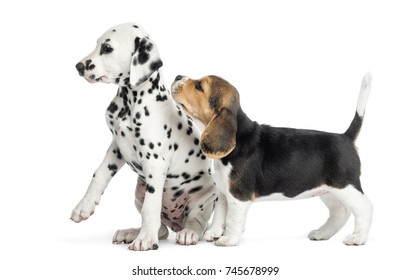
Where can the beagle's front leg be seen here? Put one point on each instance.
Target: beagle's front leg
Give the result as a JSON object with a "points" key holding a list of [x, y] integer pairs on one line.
{"points": [[112, 163], [235, 221], [151, 209]]}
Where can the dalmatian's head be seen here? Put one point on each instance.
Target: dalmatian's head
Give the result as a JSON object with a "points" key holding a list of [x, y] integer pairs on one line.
{"points": [[124, 55]]}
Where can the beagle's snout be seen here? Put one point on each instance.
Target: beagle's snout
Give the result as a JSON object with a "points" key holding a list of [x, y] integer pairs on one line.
{"points": [[181, 79], [178, 82], [80, 68]]}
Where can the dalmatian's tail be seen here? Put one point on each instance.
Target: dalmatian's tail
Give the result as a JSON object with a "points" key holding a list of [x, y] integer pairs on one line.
{"points": [[353, 131]]}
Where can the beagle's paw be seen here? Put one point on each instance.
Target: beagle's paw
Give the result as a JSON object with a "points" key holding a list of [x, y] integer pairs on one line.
{"points": [[213, 234], [317, 235], [355, 239], [187, 237], [227, 241]]}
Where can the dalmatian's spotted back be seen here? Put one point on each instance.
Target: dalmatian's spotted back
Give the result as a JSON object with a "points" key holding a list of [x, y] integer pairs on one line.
{"points": [[154, 137]]}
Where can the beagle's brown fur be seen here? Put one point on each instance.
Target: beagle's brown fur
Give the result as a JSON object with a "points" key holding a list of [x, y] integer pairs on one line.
{"points": [[214, 102]]}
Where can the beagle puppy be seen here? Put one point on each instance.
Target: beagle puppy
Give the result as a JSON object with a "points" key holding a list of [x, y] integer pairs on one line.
{"points": [[256, 162]]}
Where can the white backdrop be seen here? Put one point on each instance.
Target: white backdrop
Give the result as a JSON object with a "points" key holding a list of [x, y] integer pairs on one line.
{"points": [[295, 63]]}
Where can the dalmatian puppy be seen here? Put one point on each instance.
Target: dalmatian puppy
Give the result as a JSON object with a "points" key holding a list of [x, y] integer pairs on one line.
{"points": [[154, 137]]}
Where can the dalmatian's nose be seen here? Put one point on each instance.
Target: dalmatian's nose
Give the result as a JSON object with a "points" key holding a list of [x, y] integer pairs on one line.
{"points": [[80, 68]]}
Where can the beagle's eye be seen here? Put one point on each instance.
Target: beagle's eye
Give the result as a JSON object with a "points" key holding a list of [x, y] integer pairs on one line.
{"points": [[106, 49], [198, 86]]}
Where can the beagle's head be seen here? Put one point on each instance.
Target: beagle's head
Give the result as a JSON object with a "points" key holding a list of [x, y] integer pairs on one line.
{"points": [[215, 102]]}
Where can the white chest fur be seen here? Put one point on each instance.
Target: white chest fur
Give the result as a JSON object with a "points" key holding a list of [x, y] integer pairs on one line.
{"points": [[138, 129], [221, 175]]}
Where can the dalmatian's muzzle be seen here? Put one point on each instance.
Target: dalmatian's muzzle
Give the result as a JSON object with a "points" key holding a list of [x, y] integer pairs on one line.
{"points": [[82, 68]]}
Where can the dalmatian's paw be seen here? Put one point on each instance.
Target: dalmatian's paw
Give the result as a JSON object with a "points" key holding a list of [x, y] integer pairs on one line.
{"points": [[213, 234], [227, 241], [125, 235], [187, 237], [145, 242], [354, 239], [84, 209]]}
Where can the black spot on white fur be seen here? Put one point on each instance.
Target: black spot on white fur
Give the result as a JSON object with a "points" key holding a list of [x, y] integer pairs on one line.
{"points": [[150, 189], [144, 48], [113, 168]]}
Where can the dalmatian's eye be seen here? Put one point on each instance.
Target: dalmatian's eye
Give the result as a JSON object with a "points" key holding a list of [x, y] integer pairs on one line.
{"points": [[198, 86], [106, 49]]}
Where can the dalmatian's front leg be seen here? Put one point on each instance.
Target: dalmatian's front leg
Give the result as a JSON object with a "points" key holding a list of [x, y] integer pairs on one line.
{"points": [[112, 163], [151, 209]]}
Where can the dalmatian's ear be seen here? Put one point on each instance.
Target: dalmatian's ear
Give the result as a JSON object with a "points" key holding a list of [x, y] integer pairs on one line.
{"points": [[145, 60], [219, 138]]}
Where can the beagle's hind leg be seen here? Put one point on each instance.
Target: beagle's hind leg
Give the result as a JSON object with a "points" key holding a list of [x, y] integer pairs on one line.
{"points": [[362, 209], [338, 216]]}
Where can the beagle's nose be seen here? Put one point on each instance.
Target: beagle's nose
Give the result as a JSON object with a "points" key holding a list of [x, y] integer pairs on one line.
{"points": [[80, 68], [179, 77]]}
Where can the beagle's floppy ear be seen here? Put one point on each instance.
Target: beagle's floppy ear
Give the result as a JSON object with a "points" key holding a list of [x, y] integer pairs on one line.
{"points": [[219, 138], [145, 60]]}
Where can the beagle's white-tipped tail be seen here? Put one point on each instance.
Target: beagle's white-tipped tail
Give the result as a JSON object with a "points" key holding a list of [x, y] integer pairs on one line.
{"points": [[356, 124], [364, 94]]}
